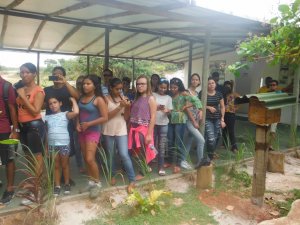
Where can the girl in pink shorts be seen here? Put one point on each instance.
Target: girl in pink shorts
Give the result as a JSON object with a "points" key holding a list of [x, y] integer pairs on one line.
{"points": [[92, 113]]}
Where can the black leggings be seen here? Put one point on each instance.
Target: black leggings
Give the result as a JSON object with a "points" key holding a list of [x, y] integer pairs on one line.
{"points": [[228, 131], [32, 136]]}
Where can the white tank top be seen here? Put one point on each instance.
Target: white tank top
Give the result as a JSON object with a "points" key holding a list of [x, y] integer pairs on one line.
{"points": [[115, 126]]}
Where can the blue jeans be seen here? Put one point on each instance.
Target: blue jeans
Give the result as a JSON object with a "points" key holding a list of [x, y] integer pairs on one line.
{"points": [[175, 140], [122, 146], [160, 134], [212, 135], [191, 134]]}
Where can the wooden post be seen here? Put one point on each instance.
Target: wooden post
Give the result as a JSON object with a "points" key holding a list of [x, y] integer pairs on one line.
{"points": [[204, 177], [260, 165]]}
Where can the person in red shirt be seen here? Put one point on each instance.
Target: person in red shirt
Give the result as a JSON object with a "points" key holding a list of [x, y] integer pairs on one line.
{"points": [[8, 116]]}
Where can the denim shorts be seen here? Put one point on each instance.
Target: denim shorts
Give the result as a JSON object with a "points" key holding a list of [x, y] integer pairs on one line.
{"points": [[63, 150]]}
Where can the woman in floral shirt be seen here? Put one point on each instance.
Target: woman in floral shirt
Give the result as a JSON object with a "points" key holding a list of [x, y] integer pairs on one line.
{"points": [[181, 101], [229, 118]]}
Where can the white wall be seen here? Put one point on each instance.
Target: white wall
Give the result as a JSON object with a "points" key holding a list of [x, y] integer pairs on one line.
{"points": [[247, 83], [255, 73]]}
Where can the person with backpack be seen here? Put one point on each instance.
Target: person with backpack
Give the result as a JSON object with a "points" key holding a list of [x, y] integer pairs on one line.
{"points": [[8, 117]]}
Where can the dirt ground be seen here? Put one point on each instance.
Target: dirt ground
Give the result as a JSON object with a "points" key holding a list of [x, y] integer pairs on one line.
{"points": [[227, 208]]}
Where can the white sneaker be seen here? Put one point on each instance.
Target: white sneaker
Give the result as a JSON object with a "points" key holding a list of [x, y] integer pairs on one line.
{"points": [[185, 165], [27, 201], [95, 190], [91, 184]]}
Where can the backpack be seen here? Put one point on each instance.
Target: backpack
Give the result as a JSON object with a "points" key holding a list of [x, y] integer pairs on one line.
{"points": [[6, 86]]}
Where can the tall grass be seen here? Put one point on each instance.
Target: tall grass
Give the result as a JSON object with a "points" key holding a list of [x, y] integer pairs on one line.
{"points": [[38, 182], [106, 166]]}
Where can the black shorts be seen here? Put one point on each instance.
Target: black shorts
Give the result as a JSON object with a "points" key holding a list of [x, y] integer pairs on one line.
{"points": [[7, 152], [32, 136]]}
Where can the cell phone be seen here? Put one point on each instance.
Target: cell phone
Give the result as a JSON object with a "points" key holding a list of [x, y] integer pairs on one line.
{"points": [[53, 78], [161, 107]]}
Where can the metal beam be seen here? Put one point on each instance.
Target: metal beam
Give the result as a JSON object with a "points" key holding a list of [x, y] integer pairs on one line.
{"points": [[205, 75], [74, 21], [129, 13], [142, 44], [38, 68], [5, 19], [190, 63], [119, 42], [148, 21], [74, 7], [169, 50], [14, 4], [91, 43], [88, 64], [37, 33], [3, 31], [155, 47], [66, 37], [106, 54], [68, 53], [176, 53], [149, 10]]}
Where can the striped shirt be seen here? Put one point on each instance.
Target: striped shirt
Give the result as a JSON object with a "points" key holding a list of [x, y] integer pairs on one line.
{"points": [[214, 101]]}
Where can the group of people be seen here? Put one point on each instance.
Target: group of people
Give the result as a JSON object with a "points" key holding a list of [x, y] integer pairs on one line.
{"points": [[157, 119]]}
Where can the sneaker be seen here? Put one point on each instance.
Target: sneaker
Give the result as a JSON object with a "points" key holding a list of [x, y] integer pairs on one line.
{"points": [[203, 162], [27, 201], [95, 190], [161, 172], [56, 191], [67, 189], [7, 197], [91, 184], [185, 165]]}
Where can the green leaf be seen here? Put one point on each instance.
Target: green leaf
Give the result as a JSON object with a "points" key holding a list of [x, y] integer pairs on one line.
{"points": [[296, 6], [273, 20], [284, 8]]}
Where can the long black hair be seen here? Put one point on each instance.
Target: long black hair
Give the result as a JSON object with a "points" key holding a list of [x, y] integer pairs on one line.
{"points": [[97, 83], [31, 67], [164, 81], [113, 83], [176, 81]]}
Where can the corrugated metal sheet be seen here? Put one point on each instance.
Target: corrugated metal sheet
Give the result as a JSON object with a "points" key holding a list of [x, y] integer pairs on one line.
{"points": [[274, 100], [71, 26]]}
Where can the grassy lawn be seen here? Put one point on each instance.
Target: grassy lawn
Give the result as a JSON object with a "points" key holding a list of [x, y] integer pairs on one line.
{"points": [[191, 211]]}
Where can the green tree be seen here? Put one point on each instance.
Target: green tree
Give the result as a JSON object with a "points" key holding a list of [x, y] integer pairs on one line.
{"points": [[281, 45]]}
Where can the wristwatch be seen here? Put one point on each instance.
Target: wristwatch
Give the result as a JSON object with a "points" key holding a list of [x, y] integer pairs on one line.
{"points": [[17, 130]]}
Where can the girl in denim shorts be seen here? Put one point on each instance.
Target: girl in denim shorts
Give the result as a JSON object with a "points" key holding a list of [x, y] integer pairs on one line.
{"points": [[58, 140]]}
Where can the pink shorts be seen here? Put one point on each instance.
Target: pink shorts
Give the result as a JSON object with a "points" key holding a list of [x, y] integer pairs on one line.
{"points": [[89, 136]]}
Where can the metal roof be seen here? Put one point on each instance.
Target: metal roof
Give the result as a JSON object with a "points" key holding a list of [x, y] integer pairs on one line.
{"points": [[142, 29], [272, 100]]}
